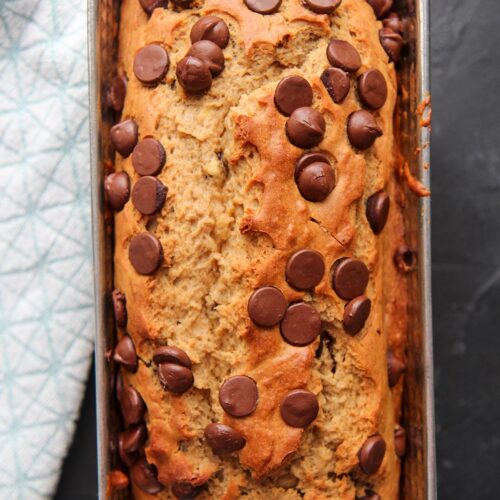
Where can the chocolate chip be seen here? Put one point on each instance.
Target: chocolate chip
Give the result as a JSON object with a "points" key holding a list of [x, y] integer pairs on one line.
{"points": [[350, 278], [380, 7], [150, 5], [372, 454], [305, 128], [117, 190], [239, 396], [148, 195], [116, 92], [299, 408], [132, 405], [171, 354], [185, 491], [119, 308], [395, 368], [315, 180], [119, 385], [391, 42], [193, 74], [322, 6], [356, 313], [129, 443], [125, 354], [369, 495], [305, 269], [267, 306], [211, 28], [394, 22], [182, 3], [223, 439], [377, 210], [210, 53], [362, 129], [405, 258], [372, 89], [400, 441], [145, 477], [343, 55], [151, 64], [301, 324], [145, 253], [292, 92], [148, 157], [175, 378], [124, 136], [263, 6], [337, 83]]}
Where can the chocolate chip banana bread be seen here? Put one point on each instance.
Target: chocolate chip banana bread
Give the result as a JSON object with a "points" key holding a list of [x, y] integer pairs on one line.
{"points": [[260, 300]]}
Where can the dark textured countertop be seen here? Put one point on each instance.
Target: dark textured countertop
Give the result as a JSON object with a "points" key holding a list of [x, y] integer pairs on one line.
{"points": [[466, 260]]}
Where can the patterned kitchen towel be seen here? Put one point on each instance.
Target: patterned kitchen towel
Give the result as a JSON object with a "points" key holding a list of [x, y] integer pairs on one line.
{"points": [[46, 314]]}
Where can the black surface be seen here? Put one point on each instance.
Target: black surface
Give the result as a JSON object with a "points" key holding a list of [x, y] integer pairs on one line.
{"points": [[466, 260]]}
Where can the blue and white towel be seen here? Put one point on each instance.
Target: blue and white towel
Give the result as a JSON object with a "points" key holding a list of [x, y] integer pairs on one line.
{"points": [[46, 329]]}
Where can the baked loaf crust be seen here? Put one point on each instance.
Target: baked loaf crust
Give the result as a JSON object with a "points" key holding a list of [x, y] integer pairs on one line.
{"points": [[211, 262]]}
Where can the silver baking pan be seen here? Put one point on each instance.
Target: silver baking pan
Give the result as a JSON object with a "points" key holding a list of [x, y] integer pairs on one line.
{"points": [[419, 477]]}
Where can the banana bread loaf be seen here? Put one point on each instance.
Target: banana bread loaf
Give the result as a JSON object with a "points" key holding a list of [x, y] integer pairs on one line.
{"points": [[260, 299]]}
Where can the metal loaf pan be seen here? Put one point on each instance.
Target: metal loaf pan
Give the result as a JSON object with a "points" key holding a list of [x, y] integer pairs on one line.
{"points": [[418, 478]]}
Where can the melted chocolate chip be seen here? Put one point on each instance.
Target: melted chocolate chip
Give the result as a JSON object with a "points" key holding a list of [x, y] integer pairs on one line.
{"points": [[291, 93], [392, 43], [210, 28], [124, 136], [145, 477], [151, 64], [337, 83], [405, 258], [263, 6], [210, 53], [145, 253], [148, 157], [129, 443], [299, 408], [175, 378], [239, 396], [395, 368], [322, 6], [350, 278], [267, 306], [372, 89], [372, 454], [132, 405], [380, 7], [171, 354], [377, 210], [148, 195], [182, 3], [301, 324], [185, 491], [193, 74], [305, 128], [315, 181], [125, 354], [343, 55], [119, 308], [305, 269], [362, 129], [356, 313], [116, 92], [117, 190], [150, 5], [223, 438], [400, 441]]}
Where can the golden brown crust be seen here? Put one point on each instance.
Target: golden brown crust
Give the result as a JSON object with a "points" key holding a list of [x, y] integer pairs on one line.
{"points": [[232, 218]]}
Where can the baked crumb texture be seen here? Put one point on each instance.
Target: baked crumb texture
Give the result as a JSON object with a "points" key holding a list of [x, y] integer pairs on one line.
{"points": [[228, 215]]}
